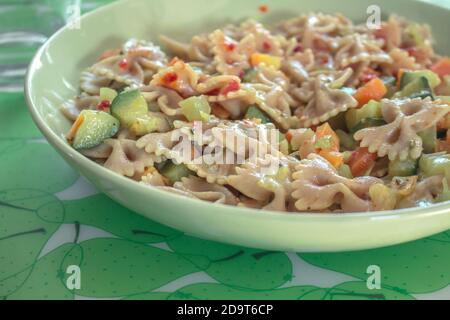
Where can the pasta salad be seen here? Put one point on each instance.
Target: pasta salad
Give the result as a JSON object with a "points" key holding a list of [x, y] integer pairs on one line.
{"points": [[316, 114]]}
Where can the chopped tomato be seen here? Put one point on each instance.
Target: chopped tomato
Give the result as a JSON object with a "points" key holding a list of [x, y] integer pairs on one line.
{"points": [[103, 105], [123, 64], [372, 90], [361, 161], [169, 78], [325, 130]]}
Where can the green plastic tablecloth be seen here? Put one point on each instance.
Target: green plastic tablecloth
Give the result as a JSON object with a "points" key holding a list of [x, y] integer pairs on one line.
{"points": [[51, 218]]}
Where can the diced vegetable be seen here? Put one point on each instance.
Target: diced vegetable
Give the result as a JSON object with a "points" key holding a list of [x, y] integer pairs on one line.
{"points": [[325, 133], [196, 108], [368, 123], [107, 94], [413, 31], [405, 168], [372, 110], [345, 171], [335, 158], [361, 162], [391, 85], [418, 88], [347, 140], [92, 128], [268, 60], [249, 75], [434, 164], [253, 112], [442, 67], [410, 76], [429, 138], [145, 124], [372, 90], [383, 197], [445, 194], [175, 172], [128, 106]]}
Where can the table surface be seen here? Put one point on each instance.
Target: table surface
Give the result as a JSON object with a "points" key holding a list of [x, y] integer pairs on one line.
{"points": [[51, 219]]}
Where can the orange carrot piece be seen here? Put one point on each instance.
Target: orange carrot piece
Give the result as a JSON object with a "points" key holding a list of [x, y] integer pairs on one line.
{"points": [[442, 67], [372, 90], [76, 125], [326, 130], [335, 158]]}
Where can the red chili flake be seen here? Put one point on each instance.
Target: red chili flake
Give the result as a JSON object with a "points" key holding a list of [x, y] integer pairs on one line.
{"points": [[232, 86], [230, 46], [263, 8], [267, 46], [169, 77], [123, 64], [324, 60], [103, 105]]}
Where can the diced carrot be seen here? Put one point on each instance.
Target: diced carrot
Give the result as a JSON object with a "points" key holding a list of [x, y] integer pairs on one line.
{"points": [[76, 125], [372, 90], [220, 112], [361, 161], [442, 67], [326, 130], [289, 136], [335, 158]]}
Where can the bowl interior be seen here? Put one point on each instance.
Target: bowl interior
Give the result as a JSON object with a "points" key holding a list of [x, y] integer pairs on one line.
{"points": [[54, 78]]}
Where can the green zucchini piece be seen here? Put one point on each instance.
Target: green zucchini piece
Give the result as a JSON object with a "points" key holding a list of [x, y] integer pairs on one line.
{"points": [[196, 108], [434, 164], [371, 110], [429, 139], [411, 76], [108, 94], [128, 106], [345, 171], [97, 126], [368, 123], [418, 88], [254, 112], [407, 168], [175, 172], [347, 140]]}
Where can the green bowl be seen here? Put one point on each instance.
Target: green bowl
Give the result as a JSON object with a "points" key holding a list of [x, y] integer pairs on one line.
{"points": [[54, 76]]}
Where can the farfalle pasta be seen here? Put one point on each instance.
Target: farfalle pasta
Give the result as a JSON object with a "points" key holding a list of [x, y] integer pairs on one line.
{"points": [[315, 114]]}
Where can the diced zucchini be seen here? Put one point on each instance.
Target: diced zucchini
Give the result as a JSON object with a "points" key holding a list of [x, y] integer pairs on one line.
{"points": [[96, 127], [345, 171], [418, 88], [107, 94], [249, 75], [253, 112], [434, 164], [405, 168], [175, 172], [347, 140], [429, 138], [391, 85], [411, 76], [145, 125], [368, 123], [196, 108], [371, 110], [413, 32], [324, 143], [128, 106]]}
